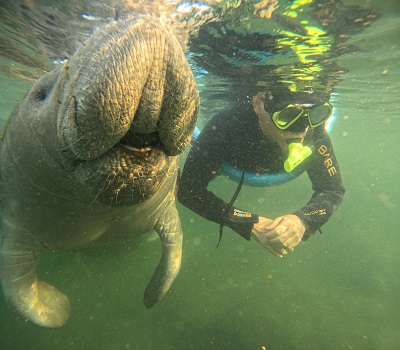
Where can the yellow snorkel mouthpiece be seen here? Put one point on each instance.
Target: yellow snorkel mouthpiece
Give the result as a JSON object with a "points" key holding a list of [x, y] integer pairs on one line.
{"points": [[297, 154]]}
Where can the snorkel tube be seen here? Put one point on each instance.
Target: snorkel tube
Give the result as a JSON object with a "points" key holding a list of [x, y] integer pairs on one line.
{"points": [[297, 154], [270, 179]]}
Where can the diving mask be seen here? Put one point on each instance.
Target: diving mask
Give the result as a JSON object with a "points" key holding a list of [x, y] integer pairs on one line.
{"points": [[297, 154], [316, 115]]}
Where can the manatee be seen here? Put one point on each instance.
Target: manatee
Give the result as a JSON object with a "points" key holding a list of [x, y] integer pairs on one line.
{"points": [[90, 156]]}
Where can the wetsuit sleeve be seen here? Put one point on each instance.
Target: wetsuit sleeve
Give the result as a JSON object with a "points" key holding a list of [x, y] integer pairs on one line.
{"points": [[201, 166], [323, 171]]}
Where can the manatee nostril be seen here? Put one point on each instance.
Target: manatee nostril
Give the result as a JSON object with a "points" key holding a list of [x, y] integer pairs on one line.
{"points": [[41, 95]]}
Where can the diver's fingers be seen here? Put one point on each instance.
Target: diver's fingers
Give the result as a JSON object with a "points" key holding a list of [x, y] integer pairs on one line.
{"points": [[292, 243], [281, 235], [286, 236], [276, 247], [282, 231], [277, 233], [274, 224], [277, 251], [287, 240]]}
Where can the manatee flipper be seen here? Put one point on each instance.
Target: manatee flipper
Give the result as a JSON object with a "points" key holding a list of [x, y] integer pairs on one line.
{"points": [[33, 299], [169, 230]]}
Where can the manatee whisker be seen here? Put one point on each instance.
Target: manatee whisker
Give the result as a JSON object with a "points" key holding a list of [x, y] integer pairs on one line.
{"points": [[22, 276], [20, 264], [107, 183], [104, 188]]}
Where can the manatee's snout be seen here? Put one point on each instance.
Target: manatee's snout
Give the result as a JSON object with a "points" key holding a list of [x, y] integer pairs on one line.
{"points": [[130, 102], [130, 76]]}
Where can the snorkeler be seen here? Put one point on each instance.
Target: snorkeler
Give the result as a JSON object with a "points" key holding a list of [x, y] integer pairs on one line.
{"points": [[275, 131]]}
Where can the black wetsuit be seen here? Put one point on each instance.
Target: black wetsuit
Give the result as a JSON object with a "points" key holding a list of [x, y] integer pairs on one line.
{"points": [[234, 136]]}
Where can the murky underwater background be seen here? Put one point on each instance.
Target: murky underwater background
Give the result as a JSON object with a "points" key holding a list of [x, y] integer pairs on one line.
{"points": [[338, 290]]}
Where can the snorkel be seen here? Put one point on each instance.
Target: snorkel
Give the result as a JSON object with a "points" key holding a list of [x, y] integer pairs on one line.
{"points": [[297, 154]]}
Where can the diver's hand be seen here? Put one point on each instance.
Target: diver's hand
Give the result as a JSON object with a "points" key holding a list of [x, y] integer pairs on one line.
{"points": [[260, 234], [288, 230], [280, 235]]}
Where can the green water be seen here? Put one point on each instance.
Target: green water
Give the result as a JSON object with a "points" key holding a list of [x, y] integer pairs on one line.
{"points": [[338, 290]]}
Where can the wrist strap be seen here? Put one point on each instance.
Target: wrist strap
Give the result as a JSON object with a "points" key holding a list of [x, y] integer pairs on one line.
{"points": [[237, 215], [229, 207]]}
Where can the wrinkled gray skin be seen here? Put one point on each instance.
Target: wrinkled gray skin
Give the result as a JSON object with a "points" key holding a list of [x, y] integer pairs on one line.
{"points": [[90, 156]]}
